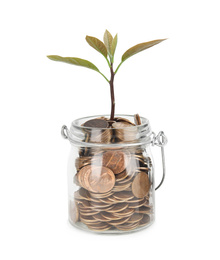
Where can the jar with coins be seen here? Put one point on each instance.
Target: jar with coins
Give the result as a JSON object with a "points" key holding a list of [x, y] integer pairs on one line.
{"points": [[111, 186]]}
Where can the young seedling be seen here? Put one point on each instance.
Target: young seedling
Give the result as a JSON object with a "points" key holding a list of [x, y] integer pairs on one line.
{"points": [[107, 49]]}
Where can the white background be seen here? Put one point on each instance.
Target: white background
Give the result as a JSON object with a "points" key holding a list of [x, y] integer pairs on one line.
{"points": [[174, 84]]}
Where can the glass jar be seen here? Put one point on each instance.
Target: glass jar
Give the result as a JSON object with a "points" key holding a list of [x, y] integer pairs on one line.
{"points": [[111, 175]]}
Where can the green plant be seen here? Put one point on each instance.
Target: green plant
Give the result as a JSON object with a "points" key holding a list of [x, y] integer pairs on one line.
{"points": [[107, 49]]}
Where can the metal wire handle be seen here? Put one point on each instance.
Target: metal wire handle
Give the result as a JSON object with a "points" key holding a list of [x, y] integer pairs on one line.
{"points": [[160, 140]]}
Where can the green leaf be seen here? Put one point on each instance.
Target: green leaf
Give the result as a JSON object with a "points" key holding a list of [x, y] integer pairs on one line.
{"points": [[108, 42], [97, 45], [138, 48], [114, 44], [74, 61]]}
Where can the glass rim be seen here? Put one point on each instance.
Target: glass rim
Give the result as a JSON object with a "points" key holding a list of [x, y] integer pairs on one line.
{"points": [[75, 125], [77, 132]]}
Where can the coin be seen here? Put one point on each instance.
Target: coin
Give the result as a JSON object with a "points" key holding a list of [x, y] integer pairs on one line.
{"points": [[119, 221], [140, 185], [96, 123], [100, 205], [80, 194], [135, 218], [145, 220], [73, 211], [101, 195], [124, 213], [100, 217], [101, 179], [143, 209], [106, 201], [121, 176], [137, 205], [121, 187], [137, 119], [96, 179], [106, 208], [100, 136], [88, 213], [122, 119], [103, 118], [115, 160], [99, 227], [127, 227], [118, 207], [123, 196], [125, 131], [88, 219], [82, 161], [86, 204], [110, 216], [134, 200]]}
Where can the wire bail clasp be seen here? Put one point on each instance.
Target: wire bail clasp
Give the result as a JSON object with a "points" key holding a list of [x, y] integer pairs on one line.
{"points": [[65, 132], [160, 140]]}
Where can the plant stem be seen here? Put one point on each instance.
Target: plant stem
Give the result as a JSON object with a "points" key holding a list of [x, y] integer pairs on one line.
{"points": [[111, 83]]}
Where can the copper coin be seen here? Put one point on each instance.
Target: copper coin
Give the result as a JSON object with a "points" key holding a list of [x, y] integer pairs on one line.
{"points": [[140, 185], [124, 213], [75, 180], [107, 201], [135, 218], [84, 174], [114, 200], [110, 216], [121, 187], [121, 176], [137, 119], [143, 210], [80, 194], [145, 220], [88, 219], [83, 209], [125, 131], [123, 196], [82, 161], [118, 207], [97, 179], [96, 123], [134, 200], [101, 195], [122, 119], [73, 211], [99, 227], [107, 208], [103, 118], [119, 221], [100, 205], [100, 217], [137, 205], [89, 213], [121, 125], [101, 179], [115, 160], [100, 136], [127, 227], [86, 204]]}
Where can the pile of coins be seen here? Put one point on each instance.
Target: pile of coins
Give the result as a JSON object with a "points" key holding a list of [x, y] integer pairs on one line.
{"points": [[114, 183]]}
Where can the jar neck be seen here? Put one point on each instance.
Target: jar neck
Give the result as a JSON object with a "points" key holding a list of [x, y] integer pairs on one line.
{"points": [[112, 136]]}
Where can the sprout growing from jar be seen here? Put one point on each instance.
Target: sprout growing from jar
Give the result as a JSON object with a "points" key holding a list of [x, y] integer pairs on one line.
{"points": [[107, 49]]}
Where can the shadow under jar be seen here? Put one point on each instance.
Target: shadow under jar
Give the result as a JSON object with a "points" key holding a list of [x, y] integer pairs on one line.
{"points": [[110, 176]]}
